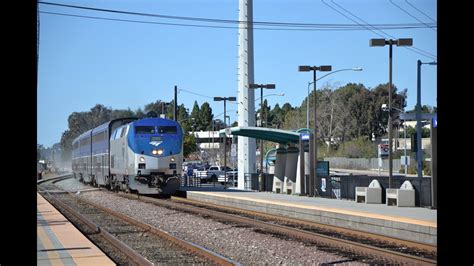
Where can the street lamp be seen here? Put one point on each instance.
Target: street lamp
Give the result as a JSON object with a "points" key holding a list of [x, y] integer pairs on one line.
{"points": [[390, 42], [309, 83], [164, 108], [261, 86], [225, 99], [273, 94], [312, 173], [419, 153], [385, 109]]}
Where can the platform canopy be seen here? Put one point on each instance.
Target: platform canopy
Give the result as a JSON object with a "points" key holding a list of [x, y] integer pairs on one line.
{"points": [[269, 134]]}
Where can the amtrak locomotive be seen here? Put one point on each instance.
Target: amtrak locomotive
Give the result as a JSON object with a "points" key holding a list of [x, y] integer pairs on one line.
{"points": [[130, 154]]}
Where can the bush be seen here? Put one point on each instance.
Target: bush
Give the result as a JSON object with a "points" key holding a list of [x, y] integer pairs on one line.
{"points": [[427, 168], [357, 148], [412, 168]]}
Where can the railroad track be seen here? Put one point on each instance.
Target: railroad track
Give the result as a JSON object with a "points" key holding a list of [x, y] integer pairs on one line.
{"points": [[280, 226], [190, 253]]}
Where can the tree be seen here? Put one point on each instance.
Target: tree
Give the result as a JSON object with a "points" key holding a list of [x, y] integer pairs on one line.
{"points": [[205, 117], [425, 109], [189, 144], [123, 114], [158, 107], [218, 124], [277, 116], [195, 117], [183, 118]]}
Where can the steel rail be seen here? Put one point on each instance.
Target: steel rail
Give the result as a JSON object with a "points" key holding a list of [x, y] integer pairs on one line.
{"points": [[316, 238], [131, 254], [56, 178], [191, 247], [333, 228]]}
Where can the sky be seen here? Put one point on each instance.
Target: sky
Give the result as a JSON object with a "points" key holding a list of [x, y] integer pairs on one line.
{"points": [[84, 61]]}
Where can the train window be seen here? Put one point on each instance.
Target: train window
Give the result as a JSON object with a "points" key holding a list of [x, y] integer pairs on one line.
{"points": [[117, 133], [124, 131], [144, 130], [167, 130]]}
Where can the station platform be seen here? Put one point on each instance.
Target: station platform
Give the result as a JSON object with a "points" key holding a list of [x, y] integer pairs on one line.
{"points": [[408, 223], [60, 243]]}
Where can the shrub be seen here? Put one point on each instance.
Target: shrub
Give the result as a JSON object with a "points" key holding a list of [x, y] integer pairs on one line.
{"points": [[357, 148]]}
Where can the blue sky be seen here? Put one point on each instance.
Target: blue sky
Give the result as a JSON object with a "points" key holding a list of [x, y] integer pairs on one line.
{"points": [[83, 62]]}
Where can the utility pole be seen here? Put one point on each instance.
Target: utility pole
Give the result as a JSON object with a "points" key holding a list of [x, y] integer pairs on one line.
{"points": [[225, 99], [419, 152], [175, 114], [261, 180], [390, 43], [246, 97]]}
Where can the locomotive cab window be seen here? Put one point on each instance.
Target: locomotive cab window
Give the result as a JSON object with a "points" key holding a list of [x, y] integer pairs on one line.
{"points": [[124, 132], [144, 130], [117, 133], [167, 130]]}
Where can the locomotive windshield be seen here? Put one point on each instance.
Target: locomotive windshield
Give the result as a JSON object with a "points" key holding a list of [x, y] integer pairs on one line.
{"points": [[144, 130], [152, 130], [167, 130]]}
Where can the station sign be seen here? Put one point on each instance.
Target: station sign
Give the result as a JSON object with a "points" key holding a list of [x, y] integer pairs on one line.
{"points": [[322, 169], [383, 150], [305, 136]]}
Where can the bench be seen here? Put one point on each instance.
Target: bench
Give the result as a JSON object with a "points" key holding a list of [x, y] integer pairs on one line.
{"points": [[403, 197], [370, 194]]}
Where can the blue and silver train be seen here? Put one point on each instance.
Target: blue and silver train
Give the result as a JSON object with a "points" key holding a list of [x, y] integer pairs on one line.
{"points": [[134, 155]]}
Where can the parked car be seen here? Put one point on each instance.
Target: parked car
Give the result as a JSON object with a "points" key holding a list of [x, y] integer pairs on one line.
{"points": [[232, 176], [203, 174]]}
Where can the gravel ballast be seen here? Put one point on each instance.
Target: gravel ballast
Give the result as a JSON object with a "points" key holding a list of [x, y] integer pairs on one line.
{"points": [[239, 243]]}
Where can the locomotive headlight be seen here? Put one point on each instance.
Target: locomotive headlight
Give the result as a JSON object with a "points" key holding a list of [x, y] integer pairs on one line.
{"points": [[141, 159], [159, 152], [173, 159]]}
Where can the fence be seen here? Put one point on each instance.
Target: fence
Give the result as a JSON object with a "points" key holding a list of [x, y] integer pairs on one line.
{"points": [[343, 187], [362, 163]]}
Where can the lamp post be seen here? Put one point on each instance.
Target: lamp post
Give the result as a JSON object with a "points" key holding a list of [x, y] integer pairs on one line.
{"points": [[164, 108], [261, 86], [309, 83], [225, 99], [273, 94], [405, 135], [313, 180], [419, 152], [390, 42]]}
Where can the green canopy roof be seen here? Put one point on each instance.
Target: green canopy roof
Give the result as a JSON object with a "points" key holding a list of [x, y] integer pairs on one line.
{"points": [[270, 134]]}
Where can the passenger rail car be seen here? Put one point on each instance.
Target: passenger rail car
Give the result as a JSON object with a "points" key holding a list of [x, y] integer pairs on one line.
{"points": [[128, 154]]}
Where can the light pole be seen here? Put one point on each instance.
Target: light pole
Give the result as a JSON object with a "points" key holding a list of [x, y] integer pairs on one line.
{"points": [[273, 94], [261, 86], [390, 42], [164, 108], [309, 83], [419, 152], [405, 135], [225, 99], [312, 173]]}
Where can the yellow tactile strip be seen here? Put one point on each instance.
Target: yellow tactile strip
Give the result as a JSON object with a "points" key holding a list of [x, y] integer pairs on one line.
{"points": [[81, 250], [334, 210]]}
